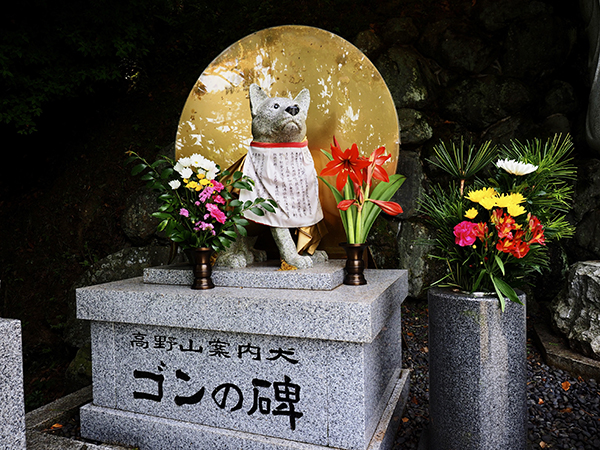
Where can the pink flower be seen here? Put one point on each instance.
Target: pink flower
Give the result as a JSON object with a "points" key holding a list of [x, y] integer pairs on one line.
{"points": [[466, 233], [219, 199], [205, 226], [184, 212], [216, 213], [206, 193], [218, 187]]}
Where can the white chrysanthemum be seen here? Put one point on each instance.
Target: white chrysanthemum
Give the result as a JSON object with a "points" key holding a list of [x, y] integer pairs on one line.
{"points": [[515, 167], [198, 160], [207, 165], [211, 174], [186, 172], [185, 162], [178, 167], [175, 184]]}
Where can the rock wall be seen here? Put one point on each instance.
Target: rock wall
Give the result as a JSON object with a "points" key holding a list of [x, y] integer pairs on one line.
{"points": [[488, 70]]}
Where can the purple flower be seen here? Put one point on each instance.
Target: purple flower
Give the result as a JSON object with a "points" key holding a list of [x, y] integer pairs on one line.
{"points": [[184, 212]]}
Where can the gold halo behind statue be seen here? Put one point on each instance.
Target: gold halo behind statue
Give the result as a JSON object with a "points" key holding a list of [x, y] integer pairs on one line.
{"points": [[349, 99]]}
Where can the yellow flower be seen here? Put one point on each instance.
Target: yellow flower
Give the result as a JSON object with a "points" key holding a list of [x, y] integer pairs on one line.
{"points": [[477, 196], [507, 200], [192, 185], [471, 213], [488, 202], [204, 181], [200, 175], [515, 210]]}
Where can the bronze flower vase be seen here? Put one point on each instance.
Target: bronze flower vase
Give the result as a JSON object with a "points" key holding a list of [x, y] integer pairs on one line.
{"points": [[355, 264], [202, 268]]}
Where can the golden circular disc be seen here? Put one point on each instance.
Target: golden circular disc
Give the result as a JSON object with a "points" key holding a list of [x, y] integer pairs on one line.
{"points": [[349, 100]]}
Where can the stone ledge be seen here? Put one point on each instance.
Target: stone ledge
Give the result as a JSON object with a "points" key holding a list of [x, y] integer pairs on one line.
{"points": [[557, 354], [347, 313], [324, 276]]}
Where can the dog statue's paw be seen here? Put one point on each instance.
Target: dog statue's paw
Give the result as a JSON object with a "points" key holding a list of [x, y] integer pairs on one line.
{"points": [[299, 261], [320, 257]]}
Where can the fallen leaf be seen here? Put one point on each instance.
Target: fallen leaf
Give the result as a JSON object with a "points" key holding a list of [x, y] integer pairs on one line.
{"points": [[56, 426], [566, 410], [543, 444], [415, 401], [405, 419], [425, 350], [540, 402], [410, 334], [566, 385]]}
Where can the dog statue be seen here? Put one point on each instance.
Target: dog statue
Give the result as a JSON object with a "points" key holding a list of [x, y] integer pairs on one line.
{"points": [[282, 168]]}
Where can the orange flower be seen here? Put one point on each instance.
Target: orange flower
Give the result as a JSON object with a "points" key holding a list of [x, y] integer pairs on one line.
{"points": [[537, 230], [344, 164]]}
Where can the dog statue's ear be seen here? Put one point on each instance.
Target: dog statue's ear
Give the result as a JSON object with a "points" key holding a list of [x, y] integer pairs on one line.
{"points": [[303, 100], [257, 98]]}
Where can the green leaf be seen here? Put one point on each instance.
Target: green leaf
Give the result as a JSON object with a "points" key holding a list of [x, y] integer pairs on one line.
{"points": [[241, 230], [230, 234], [147, 176], [235, 203], [498, 293], [384, 192], [508, 291], [327, 154], [137, 169], [257, 211], [131, 159], [500, 264], [161, 226], [267, 207]]}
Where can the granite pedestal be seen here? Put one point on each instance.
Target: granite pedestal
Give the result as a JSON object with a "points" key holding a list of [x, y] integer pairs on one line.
{"points": [[477, 372], [249, 368], [12, 407]]}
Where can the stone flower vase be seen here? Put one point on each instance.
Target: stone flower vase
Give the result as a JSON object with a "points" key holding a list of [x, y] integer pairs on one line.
{"points": [[202, 268], [355, 264], [477, 372]]}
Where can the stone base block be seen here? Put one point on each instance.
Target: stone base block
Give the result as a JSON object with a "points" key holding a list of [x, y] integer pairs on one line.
{"points": [[324, 276], [153, 433], [12, 406]]}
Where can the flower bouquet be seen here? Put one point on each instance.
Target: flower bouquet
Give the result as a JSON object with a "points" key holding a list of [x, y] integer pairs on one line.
{"points": [[197, 207], [492, 232], [359, 201]]}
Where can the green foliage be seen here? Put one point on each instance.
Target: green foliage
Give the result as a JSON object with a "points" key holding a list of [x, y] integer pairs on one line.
{"points": [[52, 50]]}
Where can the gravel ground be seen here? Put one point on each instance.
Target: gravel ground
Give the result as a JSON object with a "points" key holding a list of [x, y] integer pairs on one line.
{"points": [[564, 411]]}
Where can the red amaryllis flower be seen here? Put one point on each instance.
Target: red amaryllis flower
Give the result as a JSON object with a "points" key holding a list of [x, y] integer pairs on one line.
{"points": [[344, 164], [345, 204], [391, 208], [376, 161]]}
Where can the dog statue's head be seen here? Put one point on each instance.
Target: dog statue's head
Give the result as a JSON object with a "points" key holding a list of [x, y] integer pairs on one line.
{"points": [[278, 119]]}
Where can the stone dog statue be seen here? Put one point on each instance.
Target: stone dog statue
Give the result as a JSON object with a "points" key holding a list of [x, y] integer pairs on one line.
{"points": [[282, 168]]}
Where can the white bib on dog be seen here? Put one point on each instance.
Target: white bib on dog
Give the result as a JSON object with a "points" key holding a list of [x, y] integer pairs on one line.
{"points": [[284, 172]]}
